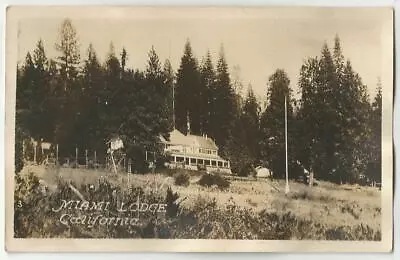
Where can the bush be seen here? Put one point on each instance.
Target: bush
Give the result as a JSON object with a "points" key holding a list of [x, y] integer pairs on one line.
{"points": [[182, 179], [247, 170], [208, 180], [19, 156], [172, 206], [34, 218]]}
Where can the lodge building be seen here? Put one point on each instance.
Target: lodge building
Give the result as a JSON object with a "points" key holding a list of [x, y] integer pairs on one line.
{"points": [[194, 152]]}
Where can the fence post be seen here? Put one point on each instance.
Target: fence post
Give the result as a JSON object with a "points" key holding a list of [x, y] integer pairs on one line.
{"points": [[129, 166], [23, 149], [41, 146], [34, 152], [76, 156], [86, 157], [95, 159], [56, 154]]}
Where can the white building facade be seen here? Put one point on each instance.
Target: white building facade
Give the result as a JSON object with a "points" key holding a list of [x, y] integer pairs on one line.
{"points": [[194, 152]]}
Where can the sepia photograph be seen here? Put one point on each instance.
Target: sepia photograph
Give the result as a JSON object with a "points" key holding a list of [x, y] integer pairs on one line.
{"points": [[208, 124]]}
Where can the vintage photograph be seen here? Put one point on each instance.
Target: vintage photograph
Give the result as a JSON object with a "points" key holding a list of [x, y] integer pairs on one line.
{"points": [[201, 123]]}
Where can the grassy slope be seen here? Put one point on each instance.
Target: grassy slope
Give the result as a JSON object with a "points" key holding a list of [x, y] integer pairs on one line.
{"points": [[327, 203]]}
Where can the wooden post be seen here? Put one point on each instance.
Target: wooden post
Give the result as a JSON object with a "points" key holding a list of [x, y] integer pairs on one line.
{"points": [[311, 181], [34, 152], [76, 156], [124, 164], [95, 159], [129, 167], [23, 149], [56, 154], [113, 162], [86, 158]]}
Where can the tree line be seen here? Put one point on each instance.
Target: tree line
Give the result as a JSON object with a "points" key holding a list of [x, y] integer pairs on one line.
{"points": [[334, 129]]}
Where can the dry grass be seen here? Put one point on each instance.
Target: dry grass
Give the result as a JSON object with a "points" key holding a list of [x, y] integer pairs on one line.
{"points": [[328, 204]]}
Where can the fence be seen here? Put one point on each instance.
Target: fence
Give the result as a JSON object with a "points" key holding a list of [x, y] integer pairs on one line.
{"points": [[44, 153]]}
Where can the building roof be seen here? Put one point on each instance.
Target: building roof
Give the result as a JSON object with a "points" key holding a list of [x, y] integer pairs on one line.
{"points": [[203, 142], [177, 138]]}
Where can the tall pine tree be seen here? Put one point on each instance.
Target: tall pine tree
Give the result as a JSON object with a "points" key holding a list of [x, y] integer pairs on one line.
{"points": [[272, 123], [333, 117], [224, 109], [208, 84], [188, 96], [170, 84]]}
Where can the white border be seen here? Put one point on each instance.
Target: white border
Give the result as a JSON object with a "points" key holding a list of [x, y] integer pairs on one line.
{"points": [[248, 3]]}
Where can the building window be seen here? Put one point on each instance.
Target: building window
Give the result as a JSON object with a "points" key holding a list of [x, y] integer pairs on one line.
{"points": [[192, 160], [187, 161], [180, 159], [207, 162], [200, 161], [219, 164], [214, 152], [213, 163], [226, 164]]}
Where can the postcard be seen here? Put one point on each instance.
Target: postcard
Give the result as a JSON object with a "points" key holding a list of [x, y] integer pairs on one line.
{"points": [[199, 129]]}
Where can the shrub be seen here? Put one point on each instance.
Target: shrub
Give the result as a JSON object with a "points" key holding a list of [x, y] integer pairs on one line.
{"points": [[19, 156], [182, 179], [247, 170], [302, 195], [170, 200], [34, 218], [208, 180], [168, 172]]}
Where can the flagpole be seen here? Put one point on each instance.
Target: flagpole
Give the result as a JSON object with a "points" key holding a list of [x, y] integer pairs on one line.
{"points": [[173, 104], [287, 190]]}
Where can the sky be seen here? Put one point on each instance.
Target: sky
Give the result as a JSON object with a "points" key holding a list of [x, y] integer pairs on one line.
{"points": [[258, 41]]}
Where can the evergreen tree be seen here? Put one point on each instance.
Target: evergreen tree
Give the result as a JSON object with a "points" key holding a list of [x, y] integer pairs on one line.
{"points": [[92, 133], [111, 95], [250, 121], [308, 115], [67, 88], [32, 94], [25, 84], [188, 94], [208, 80], [158, 93], [333, 115], [272, 123], [170, 84], [124, 59], [145, 116], [224, 107], [24, 102], [236, 150], [242, 147], [374, 171], [68, 60]]}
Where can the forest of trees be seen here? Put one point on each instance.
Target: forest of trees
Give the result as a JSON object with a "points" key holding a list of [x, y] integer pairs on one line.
{"points": [[334, 128]]}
